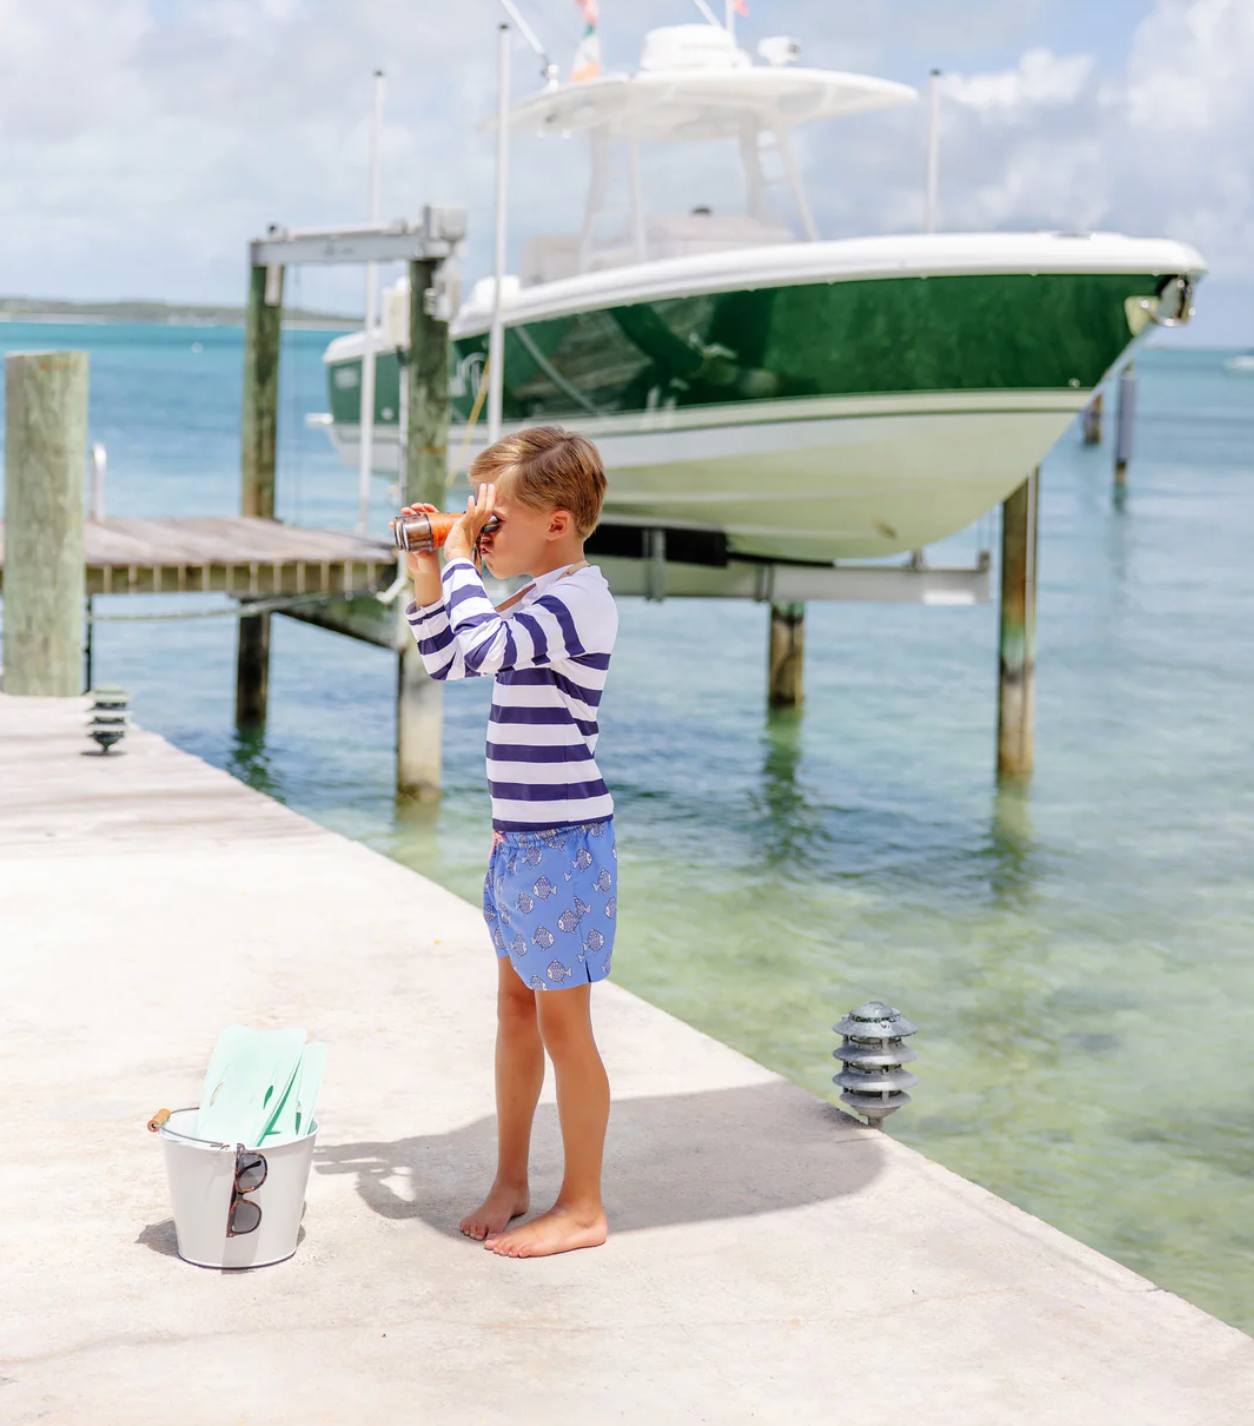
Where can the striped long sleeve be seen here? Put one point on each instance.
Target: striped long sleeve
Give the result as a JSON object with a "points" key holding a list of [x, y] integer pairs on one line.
{"points": [[464, 637], [550, 655]]}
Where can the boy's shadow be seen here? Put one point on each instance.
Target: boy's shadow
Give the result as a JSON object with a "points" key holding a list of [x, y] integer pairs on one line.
{"points": [[723, 1153]]}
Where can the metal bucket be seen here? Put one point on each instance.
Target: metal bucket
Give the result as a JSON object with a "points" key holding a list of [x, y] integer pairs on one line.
{"points": [[202, 1185]]}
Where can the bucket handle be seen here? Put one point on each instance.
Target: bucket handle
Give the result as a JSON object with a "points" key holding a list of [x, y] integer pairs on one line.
{"points": [[157, 1124]]}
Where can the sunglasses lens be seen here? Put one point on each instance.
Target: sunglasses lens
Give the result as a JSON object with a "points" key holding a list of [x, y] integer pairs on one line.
{"points": [[245, 1216], [250, 1172]]}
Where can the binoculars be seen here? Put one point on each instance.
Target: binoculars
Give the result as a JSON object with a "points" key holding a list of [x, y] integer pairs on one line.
{"points": [[421, 534]]}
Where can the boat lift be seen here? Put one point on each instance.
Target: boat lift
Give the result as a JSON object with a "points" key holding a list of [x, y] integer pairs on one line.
{"points": [[639, 558]]}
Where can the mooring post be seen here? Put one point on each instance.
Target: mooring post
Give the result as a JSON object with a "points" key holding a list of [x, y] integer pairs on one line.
{"points": [[258, 447], [45, 467], [786, 657], [1016, 689], [1093, 421], [419, 699], [1125, 418]]}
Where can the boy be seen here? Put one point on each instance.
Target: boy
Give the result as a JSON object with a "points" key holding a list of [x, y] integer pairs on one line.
{"points": [[550, 895]]}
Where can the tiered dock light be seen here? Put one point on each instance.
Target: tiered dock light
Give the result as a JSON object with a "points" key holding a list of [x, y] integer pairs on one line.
{"points": [[873, 1053], [109, 715]]}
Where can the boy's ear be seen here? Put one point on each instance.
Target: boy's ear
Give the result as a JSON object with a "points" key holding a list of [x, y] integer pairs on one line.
{"points": [[559, 523]]}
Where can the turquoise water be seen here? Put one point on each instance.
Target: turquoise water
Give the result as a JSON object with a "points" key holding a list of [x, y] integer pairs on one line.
{"points": [[1080, 958]]}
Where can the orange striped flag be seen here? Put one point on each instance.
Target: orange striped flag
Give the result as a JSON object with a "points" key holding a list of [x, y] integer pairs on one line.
{"points": [[587, 61]]}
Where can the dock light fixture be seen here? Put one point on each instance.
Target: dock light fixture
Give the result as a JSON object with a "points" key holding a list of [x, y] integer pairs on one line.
{"points": [[872, 1053], [109, 715]]}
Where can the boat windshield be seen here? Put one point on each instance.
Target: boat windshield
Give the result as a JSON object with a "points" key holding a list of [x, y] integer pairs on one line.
{"points": [[693, 85]]}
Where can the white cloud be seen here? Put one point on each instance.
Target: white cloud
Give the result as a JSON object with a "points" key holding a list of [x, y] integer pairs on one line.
{"points": [[1039, 81], [1190, 69], [1163, 148], [143, 141]]}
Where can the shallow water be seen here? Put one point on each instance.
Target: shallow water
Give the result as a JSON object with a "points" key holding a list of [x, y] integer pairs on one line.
{"points": [[1080, 958]]}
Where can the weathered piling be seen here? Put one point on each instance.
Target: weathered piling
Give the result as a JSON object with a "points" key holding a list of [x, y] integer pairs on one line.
{"points": [[1016, 691], [1093, 421], [1125, 419], [45, 465], [419, 698], [263, 334], [258, 458], [786, 659]]}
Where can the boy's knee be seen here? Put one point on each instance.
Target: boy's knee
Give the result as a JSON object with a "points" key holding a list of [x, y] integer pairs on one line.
{"points": [[516, 1005], [565, 1029]]}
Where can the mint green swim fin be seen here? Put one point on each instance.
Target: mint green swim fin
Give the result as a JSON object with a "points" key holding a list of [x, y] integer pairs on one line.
{"points": [[249, 1074], [296, 1112]]}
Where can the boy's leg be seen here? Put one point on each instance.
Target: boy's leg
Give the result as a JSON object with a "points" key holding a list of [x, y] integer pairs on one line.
{"points": [[519, 1076], [577, 1219]]}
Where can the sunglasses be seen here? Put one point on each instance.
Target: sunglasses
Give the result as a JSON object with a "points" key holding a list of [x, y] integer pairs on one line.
{"points": [[250, 1174]]}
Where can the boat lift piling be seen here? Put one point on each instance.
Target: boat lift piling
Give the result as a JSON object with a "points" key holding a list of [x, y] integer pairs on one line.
{"points": [[419, 699], [425, 246], [1016, 681], [786, 654], [1125, 420], [1093, 421], [259, 425]]}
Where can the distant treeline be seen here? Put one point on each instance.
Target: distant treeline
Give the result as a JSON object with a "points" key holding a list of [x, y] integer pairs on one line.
{"points": [[173, 314]]}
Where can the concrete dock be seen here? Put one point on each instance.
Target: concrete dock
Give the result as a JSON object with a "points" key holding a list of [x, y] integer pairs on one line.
{"points": [[770, 1260]]}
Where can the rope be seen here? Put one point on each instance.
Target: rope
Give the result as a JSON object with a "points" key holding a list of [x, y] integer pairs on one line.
{"points": [[470, 426]]}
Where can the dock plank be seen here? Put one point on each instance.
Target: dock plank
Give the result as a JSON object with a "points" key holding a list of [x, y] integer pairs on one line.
{"points": [[238, 555]]}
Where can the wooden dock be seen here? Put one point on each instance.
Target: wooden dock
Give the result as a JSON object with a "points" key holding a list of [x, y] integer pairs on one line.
{"points": [[245, 557]]}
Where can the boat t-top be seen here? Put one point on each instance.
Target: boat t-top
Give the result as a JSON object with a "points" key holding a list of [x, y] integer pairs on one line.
{"points": [[805, 399]]}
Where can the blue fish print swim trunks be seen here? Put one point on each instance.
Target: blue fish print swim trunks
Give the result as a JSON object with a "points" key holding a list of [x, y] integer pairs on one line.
{"points": [[551, 902]]}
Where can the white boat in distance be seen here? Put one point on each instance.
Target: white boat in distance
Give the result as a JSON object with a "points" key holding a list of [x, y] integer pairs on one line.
{"points": [[798, 399]]}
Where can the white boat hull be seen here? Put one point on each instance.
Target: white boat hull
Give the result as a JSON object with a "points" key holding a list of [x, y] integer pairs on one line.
{"points": [[835, 479]]}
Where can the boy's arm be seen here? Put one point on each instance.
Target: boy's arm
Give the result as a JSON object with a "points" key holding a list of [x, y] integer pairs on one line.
{"points": [[544, 633], [426, 613], [441, 656]]}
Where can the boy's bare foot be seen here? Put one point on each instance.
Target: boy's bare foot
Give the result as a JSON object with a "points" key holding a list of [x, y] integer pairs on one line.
{"points": [[504, 1201], [558, 1231]]}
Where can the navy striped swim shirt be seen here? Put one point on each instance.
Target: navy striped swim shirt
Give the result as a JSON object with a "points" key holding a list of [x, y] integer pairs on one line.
{"points": [[550, 654]]}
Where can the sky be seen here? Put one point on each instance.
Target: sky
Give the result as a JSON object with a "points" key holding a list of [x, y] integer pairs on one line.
{"points": [[143, 142]]}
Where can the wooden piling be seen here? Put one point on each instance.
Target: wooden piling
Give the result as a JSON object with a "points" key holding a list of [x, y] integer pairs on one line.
{"points": [[258, 459], [1093, 421], [45, 468], [419, 698], [1125, 419], [252, 670], [1016, 691], [786, 657]]}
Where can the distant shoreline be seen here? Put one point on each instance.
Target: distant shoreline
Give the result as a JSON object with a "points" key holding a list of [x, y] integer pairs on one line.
{"points": [[161, 314]]}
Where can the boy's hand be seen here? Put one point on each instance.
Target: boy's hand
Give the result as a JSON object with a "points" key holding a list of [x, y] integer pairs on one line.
{"points": [[421, 562], [424, 566], [463, 538]]}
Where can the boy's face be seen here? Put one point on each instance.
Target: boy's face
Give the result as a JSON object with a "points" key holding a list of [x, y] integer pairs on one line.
{"points": [[522, 540]]}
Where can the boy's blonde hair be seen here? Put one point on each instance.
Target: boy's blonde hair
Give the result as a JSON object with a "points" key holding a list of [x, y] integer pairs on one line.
{"points": [[547, 468]]}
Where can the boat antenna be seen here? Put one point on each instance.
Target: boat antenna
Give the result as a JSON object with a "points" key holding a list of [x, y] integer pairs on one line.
{"points": [[930, 201], [548, 70]]}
